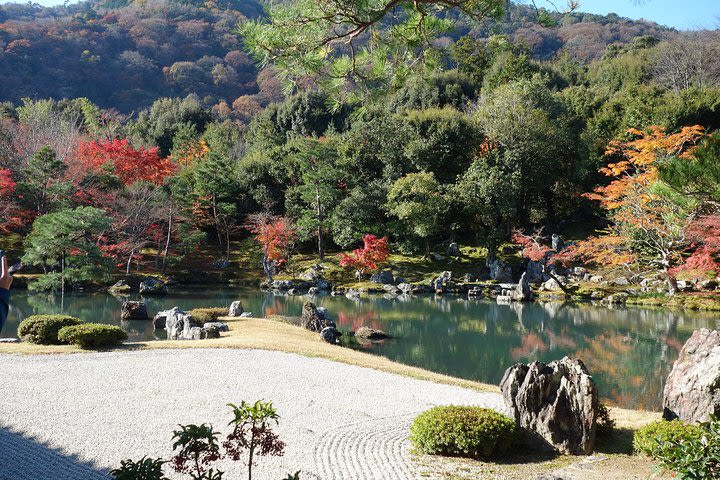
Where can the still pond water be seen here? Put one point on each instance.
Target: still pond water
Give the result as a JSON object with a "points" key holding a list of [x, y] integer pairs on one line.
{"points": [[629, 351]]}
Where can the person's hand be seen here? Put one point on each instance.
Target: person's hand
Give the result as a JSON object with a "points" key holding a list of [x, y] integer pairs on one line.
{"points": [[5, 277]]}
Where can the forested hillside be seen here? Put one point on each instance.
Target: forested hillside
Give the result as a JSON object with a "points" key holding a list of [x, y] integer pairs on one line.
{"points": [[125, 55], [494, 139]]}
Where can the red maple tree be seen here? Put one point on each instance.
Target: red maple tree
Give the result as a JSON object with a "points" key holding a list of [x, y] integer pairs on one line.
{"points": [[11, 216], [374, 252], [275, 235], [127, 163]]}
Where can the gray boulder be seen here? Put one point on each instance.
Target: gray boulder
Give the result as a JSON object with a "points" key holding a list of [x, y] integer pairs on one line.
{"points": [[552, 285], [522, 292], [370, 334], [556, 404], [392, 289], [442, 282], [312, 318], [152, 286], [133, 311], [621, 282], [692, 390], [120, 287], [535, 272], [330, 334], [405, 288], [246, 315], [500, 271], [383, 277], [313, 291], [322, 284], [236, 309], [616, 299], [178, 323], [219, 326]]}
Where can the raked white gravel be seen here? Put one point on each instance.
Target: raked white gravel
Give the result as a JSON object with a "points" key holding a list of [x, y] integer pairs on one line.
{"points": [[75, 416]]}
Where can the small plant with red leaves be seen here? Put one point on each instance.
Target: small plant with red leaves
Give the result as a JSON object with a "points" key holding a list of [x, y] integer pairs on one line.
{"points": [[374, 253], [197, 448], [252, 433]]}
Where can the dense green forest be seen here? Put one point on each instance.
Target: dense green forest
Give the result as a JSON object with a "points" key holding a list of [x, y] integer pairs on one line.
{"points": [[125, 55], [509, 132]]}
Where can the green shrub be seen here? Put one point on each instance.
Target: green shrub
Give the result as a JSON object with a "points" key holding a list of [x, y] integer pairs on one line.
{"points": [[649, 438], [463, 431], [205, 315], [93, 335], [43, 329], [605, 423], [143, 469], [694, 458]]}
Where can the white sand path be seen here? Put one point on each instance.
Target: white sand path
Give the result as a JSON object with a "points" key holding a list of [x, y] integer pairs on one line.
{"points": [[75, 416]]}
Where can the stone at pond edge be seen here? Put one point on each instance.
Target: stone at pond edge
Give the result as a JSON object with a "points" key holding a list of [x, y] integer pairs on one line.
{"points": [[314, 318], [236, 309], [330, 334], [133, 311], [555, 404], [120, 287], [383, 277], [692, 390], [370, 333], [153, 286]]}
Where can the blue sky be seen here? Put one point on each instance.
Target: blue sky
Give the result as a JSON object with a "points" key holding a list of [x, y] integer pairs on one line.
{"points": [[681, 14]]}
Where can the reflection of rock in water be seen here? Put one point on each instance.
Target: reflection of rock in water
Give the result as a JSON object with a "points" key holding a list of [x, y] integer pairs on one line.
{"points": [[552, 308]]}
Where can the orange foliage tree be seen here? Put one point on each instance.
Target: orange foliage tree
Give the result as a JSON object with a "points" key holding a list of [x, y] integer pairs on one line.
{"points": [[647, 227], [128, 164], [10, 215]]}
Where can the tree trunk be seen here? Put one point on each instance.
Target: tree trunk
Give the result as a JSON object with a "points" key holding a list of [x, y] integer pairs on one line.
{"points": [[62, 275], [671, 282], [167, 240], [318, 210], [129, 262]]}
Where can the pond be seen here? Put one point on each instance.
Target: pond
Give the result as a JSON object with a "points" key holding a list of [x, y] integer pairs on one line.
{"points": [[629, 351]]}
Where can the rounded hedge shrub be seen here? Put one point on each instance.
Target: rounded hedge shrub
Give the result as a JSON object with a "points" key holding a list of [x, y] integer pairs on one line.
{"points": [[463, 431], [93, 335], [649, 438], [205, 315], [43, 329]]}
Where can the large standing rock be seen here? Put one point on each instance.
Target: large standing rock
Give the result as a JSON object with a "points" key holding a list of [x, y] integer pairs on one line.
{"points": [[442, 282], [383, 277], [178, 323], [133, 311], [236, 309], [314, 318], [522, 292], [500, 271], [152, 286], [692, 390], [556, 404]]}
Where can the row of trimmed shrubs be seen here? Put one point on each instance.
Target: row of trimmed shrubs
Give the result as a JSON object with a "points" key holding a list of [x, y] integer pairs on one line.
{"points": [[64, 329]]}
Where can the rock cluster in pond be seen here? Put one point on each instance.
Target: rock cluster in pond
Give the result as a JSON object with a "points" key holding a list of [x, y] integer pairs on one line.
{"points": [[315, 319], [692, 390], [133, 311], [181, 326], [556, 404], [309, 279]]}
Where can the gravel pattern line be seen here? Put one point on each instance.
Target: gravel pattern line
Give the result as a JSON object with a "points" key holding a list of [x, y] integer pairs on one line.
{"points": [[73, 417]]}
